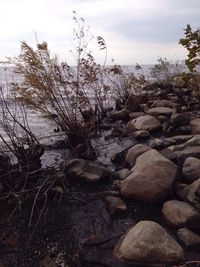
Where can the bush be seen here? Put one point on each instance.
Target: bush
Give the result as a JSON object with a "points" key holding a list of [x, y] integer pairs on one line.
{"points": [[74, 98]]}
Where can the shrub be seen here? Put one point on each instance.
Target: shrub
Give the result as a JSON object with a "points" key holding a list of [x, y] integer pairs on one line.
{"points": [[74, 98]]}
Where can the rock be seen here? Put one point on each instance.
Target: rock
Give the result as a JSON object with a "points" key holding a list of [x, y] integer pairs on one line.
{"points": [[115, 205], [161, 143], [141, 134], [123, 173], [120, 115], [148, 243], [179, 213], [134, 115], [150, 179], [167, 153], [178, 120], [162, 119], [188, 237], [190, 193], [191, 148], [182, 138], [160, 111], [162, 103], [180, 130], [87, 170], [191, 169], [144, 107], [195, 124], [119, 157], [135, 152], [146, 122], [190, 151]]}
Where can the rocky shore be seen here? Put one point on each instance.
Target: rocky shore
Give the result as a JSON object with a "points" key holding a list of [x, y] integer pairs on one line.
{"points": [[135, 205]]}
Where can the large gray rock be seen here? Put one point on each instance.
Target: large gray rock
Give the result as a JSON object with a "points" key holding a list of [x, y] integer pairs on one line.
{"points": [[148, 243], [160, 111], [188, 237], [87, 170], [150, 179], [191, 169], [147, 122], [179, 213], [135, 152]]}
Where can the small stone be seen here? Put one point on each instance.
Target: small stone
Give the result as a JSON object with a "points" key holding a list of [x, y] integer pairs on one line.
{"points": [[88, 170], [160, 111], [191, 169], [162, 103], [123, 173], [188, 237], [141, 134], [147, 123], [115, 205], [179, 213]]}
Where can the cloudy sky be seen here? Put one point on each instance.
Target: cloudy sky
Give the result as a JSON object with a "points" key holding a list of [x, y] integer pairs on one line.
{"points": [[135, 30]]}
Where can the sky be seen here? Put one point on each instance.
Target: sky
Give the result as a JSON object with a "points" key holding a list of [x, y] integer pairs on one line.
{"points": [[135, 31]]}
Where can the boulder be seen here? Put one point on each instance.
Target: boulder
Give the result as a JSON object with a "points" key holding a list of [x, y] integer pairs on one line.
{"points": [[188, 237], [160, 111], [87, 170], [150, 179], [147, 122], [179, 213], [148, 243], [135, 152], [191, 169]]}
